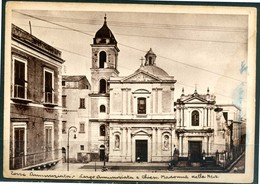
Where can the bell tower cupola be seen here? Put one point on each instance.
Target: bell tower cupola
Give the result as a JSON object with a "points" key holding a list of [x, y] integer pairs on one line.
{"points": [[150, 58], [104, 58]]}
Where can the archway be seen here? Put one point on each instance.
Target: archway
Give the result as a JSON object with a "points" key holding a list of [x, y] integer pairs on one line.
{"points": [[102, 153], [102, 86], [102, 59]]}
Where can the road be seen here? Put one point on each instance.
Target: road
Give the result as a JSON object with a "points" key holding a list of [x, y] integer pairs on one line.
{"points": [[239, 167]]}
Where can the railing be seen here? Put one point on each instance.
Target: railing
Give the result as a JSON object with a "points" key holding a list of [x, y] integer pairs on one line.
{"points": [[225, 159], [19, 91], [49, 96], [28, 160]]}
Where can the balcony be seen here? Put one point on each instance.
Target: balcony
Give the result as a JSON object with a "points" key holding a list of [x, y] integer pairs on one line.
{"points": [[49, 99], [20, 94], [36, 161]]}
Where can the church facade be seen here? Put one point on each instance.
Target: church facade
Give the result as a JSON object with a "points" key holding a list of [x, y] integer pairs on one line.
{"points": [[135, 118]]}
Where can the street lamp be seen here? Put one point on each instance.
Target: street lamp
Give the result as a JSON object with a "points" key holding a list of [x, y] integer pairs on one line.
{"points": [[74, 129], [104, 164]]}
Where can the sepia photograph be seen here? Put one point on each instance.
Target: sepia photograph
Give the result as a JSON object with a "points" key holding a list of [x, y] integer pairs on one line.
{"points": [[124, 92]]}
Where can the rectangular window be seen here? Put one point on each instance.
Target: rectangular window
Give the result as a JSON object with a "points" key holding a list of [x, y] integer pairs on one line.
{"points": [[82, 127], [48, 86], [19, 79], [141, 105], [64, 127], [81, 147], [82, 103], [63, 83], [64, 105], [225, 114]]}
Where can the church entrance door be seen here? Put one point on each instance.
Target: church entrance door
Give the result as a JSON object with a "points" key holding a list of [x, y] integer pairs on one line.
{"points": [[141, 150], [195, 150]]}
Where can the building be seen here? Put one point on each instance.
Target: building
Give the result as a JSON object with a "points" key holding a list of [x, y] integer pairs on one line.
{"points": [[128, 121], [75, 103], [135, 118], [237, 128], [201, 127], [35, 102]]}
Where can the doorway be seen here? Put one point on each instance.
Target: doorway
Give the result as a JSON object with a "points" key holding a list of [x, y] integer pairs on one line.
{"points": [[195, 148], [19, 161], [141, 150], [48, 143], [102, 153]]}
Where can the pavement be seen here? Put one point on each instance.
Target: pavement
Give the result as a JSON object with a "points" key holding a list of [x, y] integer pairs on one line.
{"points": [[237, 167]]}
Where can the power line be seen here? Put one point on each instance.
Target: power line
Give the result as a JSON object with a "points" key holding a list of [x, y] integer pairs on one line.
{"points": [[147, 25], [76, 30], [203, 69], [156, 37], [179, 82]]}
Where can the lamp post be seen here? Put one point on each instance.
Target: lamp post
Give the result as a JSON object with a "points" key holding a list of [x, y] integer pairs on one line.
{"points": [[74, 129], [104, 164]]}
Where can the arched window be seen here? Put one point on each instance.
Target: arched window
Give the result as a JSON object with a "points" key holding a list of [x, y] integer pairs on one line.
{"points": [[195, 118], [102, 86], [102, 130], [117, 141], [141, 105], [150, 60], [102, 59], [102, 108]]}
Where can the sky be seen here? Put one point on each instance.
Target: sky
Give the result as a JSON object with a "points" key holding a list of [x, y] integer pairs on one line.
{"points": [[203, 50]]}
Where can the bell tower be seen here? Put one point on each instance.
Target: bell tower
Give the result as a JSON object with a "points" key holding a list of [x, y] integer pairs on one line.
{"points": [[104, 59]]}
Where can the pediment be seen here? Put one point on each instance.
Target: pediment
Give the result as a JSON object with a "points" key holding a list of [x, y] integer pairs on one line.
{"points": [[140, 76], [195, 100], [141, 132]]}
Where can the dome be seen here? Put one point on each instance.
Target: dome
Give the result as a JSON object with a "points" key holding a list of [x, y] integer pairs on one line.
{"points": [[157, 71], [104, 35], [150, 65]]}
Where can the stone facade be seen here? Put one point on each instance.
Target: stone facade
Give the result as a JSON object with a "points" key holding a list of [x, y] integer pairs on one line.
{"points": [[201, 127], [135, 118], [35, 101], [75, 112]]}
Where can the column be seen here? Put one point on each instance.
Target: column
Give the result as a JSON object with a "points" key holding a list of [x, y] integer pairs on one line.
{"points": [[205, 144], [126, 141], [183, 116], [209, 147], [123, 142], [180, 117], [159, 101], [129, 101], [153, 143], [126, 101], [177, 116], [185, 145], [129, 150], [207, 116], [123, 101], [111, 100], [111, 141], [210, 114], [154, 100], [159, 143], [172, 139], [212, 118], [204, 117], [180, 145], [172, 99], [156, 142]]}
